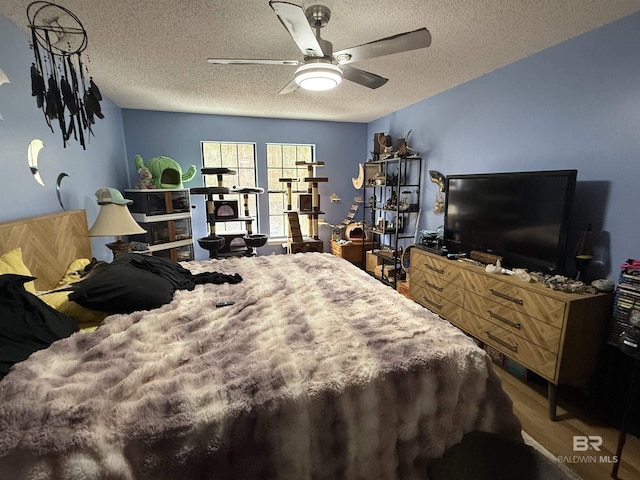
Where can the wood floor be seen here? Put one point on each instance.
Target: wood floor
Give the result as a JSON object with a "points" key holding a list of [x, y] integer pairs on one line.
{"points": [[531, 407]]}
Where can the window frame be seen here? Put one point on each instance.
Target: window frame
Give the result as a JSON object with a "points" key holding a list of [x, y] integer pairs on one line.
{"points": [[276, 211], [209, 180]]}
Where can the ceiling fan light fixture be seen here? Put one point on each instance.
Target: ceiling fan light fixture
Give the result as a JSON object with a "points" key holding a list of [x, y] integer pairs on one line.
{"points": [[318, 77]]}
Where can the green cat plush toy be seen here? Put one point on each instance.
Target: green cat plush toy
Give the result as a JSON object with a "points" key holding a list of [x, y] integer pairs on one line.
{"points": [[166, 172]]}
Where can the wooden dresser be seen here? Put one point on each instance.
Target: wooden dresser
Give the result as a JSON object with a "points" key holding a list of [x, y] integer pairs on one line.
{"points": [[554, 334]]}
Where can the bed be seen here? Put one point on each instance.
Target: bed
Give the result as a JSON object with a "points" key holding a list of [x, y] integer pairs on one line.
{"points": [[315, 371]]}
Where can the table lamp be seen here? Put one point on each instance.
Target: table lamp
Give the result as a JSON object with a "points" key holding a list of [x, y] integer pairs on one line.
{"points": [[114, 220]]}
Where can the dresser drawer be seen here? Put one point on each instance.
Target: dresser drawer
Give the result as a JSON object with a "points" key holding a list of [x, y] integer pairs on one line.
{"points": [[435, 302], [160, 201], [438, 286], [177, 254], [435, 266], [164, 231], [523, 351], [539, 306], [540, 333]]}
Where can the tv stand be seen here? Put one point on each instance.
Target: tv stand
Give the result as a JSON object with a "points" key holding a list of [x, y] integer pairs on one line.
{"points": [[554, 334]]}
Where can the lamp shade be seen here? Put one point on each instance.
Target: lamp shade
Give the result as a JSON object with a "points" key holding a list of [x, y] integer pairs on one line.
{"points": [[114, 220]]}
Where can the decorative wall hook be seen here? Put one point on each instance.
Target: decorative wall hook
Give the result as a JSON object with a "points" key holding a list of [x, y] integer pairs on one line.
{"points": [[32, 159], [3, 79], [58, 75], [440, 180]]}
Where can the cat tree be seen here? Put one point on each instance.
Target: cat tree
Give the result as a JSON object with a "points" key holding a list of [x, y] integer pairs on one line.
{"points": [[309, 205]]}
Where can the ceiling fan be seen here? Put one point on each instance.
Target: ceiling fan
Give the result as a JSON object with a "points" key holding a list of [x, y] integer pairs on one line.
{"points": [[322, 68]]}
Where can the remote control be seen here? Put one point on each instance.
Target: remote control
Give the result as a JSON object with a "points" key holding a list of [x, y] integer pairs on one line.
{"points": [[224, 304]]}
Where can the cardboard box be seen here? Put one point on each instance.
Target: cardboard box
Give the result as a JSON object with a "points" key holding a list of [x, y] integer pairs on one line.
{"points": [[372, 262], [403, 288], [377, 271], [386, 272], [351, 251]]}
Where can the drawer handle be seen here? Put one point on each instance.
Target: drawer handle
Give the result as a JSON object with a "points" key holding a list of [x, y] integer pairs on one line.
{"points": [[431, 285], [431, 302], [501, 342], [506, 297], [437, 270], [504, 320]]}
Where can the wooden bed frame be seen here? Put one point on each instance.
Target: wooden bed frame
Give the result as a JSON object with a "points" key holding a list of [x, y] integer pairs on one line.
{"points": [[49, 243]]}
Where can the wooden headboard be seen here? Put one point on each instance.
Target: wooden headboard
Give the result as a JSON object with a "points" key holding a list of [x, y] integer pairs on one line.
{"points": [[49, 243]]}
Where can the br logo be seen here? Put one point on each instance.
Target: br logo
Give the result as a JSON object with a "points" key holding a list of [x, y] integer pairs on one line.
{"points": [[582, 443]]}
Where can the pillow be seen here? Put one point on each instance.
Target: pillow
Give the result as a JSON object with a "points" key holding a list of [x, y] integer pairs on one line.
{"points": [[73, 271], [11, 262], [28, 324], [87, 319], [121, 287]]}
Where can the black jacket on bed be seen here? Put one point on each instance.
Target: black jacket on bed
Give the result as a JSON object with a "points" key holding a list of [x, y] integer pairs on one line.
{"points": [[180, 277], [135, 282], [27, 324]]}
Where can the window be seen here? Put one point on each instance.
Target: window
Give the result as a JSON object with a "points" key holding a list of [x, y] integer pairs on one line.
{"points": [[240, 157], [281, 163]]}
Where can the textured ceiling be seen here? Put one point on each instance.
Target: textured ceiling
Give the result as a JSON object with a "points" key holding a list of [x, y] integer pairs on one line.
{"points": [[152, 54]]}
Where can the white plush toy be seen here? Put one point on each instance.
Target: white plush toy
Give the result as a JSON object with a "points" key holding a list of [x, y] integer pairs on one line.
{"points": [[144, 179]]}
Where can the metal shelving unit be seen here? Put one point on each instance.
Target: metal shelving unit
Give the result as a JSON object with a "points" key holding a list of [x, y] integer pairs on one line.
{"points": [[391, 212]]}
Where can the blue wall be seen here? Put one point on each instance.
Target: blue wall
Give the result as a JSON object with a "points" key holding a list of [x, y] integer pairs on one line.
{"points": [[573, 106], [178, 135], [103, 163]]}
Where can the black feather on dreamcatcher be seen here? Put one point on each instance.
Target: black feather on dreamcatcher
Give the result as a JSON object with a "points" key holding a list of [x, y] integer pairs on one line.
{"points": [[58, 79]]}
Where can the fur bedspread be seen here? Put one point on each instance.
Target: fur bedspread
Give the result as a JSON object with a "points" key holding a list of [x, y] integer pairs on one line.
{"points": [[318, 371]]}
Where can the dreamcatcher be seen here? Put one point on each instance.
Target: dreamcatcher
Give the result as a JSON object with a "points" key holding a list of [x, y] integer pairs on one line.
{"points": [[58, 77]]}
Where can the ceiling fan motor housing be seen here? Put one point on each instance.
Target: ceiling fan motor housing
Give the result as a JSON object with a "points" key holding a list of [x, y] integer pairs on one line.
{"points": [[318, 15]]}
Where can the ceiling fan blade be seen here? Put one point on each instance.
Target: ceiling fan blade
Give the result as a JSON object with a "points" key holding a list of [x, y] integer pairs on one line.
{"points": [[290, 87], [361, 77], [295, 21], [402, 42], [251, 61]]}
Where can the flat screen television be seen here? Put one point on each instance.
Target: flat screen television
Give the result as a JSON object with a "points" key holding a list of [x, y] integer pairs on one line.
{"points": [[521, 216]]}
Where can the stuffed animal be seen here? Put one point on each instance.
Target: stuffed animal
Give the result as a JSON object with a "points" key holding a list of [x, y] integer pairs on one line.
{"points": [[144, 179], [166, 172]]}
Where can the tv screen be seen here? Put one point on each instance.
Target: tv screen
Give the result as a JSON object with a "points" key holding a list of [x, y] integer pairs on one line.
{"points": [[521, 216]]}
